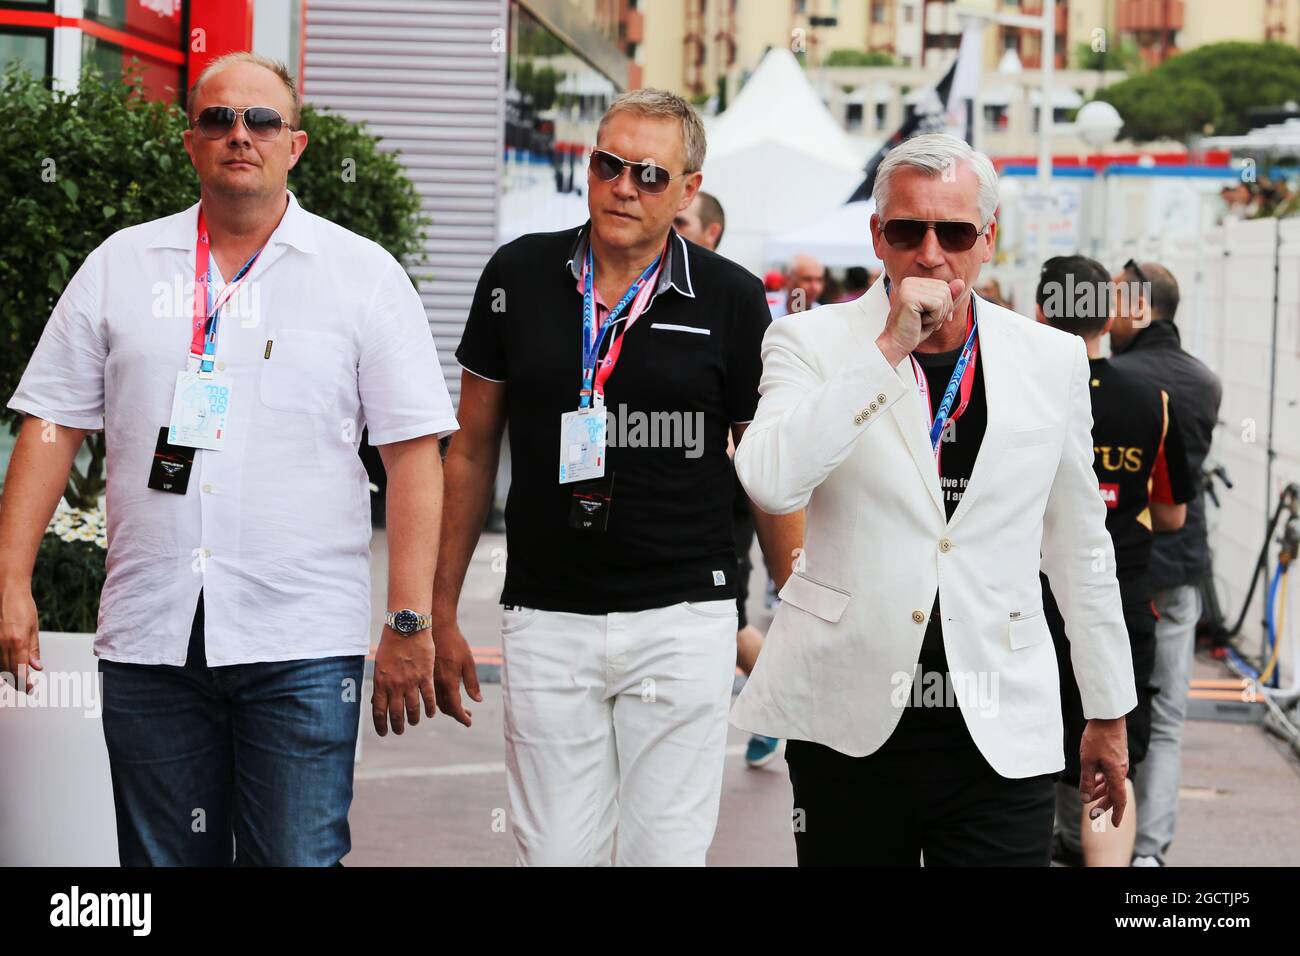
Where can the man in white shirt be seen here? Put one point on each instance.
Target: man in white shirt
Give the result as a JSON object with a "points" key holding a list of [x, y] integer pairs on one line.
{"points": [[233, 625]]}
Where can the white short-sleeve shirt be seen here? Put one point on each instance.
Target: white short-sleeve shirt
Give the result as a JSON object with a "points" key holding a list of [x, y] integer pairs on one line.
{"points": [[327, 337]]}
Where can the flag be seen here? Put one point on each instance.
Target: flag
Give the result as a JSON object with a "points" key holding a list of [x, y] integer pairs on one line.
{"points": [[952, 94]]}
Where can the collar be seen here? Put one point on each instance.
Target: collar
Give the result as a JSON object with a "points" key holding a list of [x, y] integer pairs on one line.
{"points": [[1157, 335], [295, 229], [674, 272]]}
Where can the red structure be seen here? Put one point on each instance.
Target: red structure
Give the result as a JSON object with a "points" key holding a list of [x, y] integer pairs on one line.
{"points": [[171, 39]]}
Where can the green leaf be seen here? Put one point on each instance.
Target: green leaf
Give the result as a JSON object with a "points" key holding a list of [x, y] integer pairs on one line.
{"points": [[109, 212], [70, 189]]}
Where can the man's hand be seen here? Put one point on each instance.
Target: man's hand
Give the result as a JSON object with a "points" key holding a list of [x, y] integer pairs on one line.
{"points": [[917, 306], [403, 674], [1103, 765], [455, 663], [20, 642]]}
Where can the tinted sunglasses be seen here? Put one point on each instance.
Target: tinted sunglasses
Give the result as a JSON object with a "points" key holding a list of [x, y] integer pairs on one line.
{"points": [[953, 235], [261, 121], [648, 177]]}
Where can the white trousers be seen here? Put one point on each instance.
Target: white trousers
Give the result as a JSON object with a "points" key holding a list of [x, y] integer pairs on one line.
{"points": [[616, 722]]}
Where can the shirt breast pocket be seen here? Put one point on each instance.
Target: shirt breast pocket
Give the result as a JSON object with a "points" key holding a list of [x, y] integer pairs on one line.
{"points": [[302, 371]]}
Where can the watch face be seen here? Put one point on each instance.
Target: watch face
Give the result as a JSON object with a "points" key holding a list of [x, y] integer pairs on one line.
{"points": [[405, 622]]}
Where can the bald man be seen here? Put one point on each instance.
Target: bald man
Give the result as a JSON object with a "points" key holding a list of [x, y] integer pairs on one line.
{"points": [[803, 285]]}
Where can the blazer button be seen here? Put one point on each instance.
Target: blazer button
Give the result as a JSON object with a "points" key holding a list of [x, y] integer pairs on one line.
{"points": [[881, 398], [857, 419], [945, 545], [918, 617], [874, 406]]}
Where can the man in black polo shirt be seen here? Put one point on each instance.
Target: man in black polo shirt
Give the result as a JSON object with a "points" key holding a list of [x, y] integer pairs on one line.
{"points": [[621, 357], [1143, 476]]}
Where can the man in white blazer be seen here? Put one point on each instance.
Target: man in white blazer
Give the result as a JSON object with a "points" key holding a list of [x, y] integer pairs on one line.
{"points": [[942, 448]]}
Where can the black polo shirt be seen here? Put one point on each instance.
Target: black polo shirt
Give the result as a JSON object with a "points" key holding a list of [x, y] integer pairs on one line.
{"points": [[689, 368]]}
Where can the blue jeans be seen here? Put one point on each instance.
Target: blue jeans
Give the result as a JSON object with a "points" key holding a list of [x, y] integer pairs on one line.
{"points": [[259, 754]]}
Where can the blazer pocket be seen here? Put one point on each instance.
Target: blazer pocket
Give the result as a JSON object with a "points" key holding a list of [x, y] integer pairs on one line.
{"points": [[819, 600], [1028, 629], [1029, 437]]}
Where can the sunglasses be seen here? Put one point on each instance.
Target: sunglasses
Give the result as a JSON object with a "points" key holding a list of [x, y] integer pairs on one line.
{"points": [[953, 235], [1133, 267], [647, 177], [261, 121]]}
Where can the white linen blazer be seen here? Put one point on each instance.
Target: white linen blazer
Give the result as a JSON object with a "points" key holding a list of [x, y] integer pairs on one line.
{"points": [[844, 435]]}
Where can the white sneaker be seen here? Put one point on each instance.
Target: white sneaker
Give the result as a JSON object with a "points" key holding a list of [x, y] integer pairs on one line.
{"points": [[1145, 861]]}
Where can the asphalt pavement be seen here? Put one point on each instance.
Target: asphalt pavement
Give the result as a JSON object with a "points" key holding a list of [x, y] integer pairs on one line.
{"points": [[436, 796]]}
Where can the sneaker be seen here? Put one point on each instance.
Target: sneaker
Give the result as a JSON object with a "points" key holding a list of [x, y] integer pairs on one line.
{"points": [[1145, 861], [762, 750]]}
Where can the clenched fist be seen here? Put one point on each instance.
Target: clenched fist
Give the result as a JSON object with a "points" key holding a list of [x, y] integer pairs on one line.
{"points": [[917, 307]]}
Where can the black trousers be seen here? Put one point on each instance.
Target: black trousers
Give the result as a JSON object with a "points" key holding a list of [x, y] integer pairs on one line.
{"points": [[889, 808]]}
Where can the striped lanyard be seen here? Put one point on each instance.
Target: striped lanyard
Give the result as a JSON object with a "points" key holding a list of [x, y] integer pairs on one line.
{"points": [[962, 381], [207, 314], [593, 385]]}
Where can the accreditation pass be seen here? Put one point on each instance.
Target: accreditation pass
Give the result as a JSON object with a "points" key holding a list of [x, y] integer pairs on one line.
{"points": [[199, 411], [582, 445]]}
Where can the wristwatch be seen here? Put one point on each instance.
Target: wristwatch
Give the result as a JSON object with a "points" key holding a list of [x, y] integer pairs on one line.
{"points": [[406, 622]]}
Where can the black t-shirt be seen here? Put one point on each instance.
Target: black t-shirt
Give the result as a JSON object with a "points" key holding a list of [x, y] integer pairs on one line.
{"points": [[941, 730], [688, 369], [1139, 458]]}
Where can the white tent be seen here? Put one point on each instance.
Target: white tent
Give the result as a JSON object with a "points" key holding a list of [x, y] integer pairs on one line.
{"points": [[840, 239], [777, 160]]}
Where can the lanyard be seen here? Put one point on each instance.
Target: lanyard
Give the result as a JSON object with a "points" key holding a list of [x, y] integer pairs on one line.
{"points": [[962, 380], [591, 339], [207, 314]]}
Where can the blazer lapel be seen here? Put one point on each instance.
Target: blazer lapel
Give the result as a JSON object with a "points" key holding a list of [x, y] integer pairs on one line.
{"points": [[997, 357], [909, 412]]}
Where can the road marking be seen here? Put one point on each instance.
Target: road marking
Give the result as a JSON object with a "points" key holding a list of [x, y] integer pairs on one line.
{"points": [[458, 769]]}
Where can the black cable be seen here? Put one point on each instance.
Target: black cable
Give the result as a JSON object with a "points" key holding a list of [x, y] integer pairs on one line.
{"points": [[1286, 500]]}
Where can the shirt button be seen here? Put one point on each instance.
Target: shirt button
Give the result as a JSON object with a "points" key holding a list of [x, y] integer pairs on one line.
{"points": [[221, 366], [207, 489], [945, 545], [918, 616]]}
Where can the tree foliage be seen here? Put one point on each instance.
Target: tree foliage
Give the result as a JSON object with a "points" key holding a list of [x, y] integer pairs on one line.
{"points": [[1211, 88]]}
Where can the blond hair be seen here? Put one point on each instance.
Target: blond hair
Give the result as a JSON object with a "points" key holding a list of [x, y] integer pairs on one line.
{"points": [[663, 104], [246, 56]]}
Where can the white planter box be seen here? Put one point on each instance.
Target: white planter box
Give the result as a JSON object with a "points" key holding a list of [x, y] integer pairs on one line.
{"points": [[56, 795]]}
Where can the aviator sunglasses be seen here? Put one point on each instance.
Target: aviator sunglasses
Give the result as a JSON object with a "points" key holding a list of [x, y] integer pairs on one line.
{"points": [[648, 177], [262, 122]]}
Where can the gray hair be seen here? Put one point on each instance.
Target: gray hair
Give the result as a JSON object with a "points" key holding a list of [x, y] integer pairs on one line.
{"points": [[666, 105], [933, 154]]}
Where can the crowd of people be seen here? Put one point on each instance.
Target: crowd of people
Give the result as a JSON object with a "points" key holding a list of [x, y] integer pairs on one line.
{"points": [[1262, 198], [984, 534]]}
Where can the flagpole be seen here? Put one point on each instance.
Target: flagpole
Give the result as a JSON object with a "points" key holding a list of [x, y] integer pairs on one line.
{"points": [[1046, 116], [1045, 23]]}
